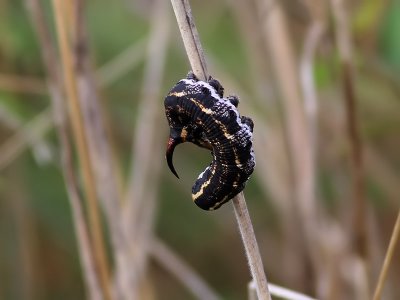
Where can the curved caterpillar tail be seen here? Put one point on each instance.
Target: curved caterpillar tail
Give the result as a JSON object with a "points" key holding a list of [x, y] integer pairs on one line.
{"points": [[198, 113]]}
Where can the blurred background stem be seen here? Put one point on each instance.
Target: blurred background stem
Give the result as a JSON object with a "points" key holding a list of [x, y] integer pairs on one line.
{"points": [[324, 164], [96, 234]]}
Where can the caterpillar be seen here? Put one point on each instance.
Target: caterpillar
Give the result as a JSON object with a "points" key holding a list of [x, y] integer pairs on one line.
{"points": [[198, 113]]}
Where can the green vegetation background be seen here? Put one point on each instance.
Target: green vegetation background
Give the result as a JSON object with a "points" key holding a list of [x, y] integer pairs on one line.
{"points": [[208, 241]]}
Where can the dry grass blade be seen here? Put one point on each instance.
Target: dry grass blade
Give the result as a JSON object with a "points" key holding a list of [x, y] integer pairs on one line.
{"points": [[54, 83], [278, 41], [388, 259], [245, 13], [79, 218], [196, 57], [27, 135], [190, 37], [314, 34], [274, 169], [146, 129], [98, 143], [121, 64], [98, 246], [279, 292], [345, 52], [140, 200], [383, 174], [22, 84], [251, 246]]}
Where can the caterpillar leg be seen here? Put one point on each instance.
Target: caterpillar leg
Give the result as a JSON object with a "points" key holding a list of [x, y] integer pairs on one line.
{"points": [[191, 76], [216, 85], [234, 100], [249, 122]]}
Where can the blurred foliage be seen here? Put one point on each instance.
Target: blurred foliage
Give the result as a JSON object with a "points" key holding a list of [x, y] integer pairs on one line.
{"points": [[390, 44], [34, 210]]}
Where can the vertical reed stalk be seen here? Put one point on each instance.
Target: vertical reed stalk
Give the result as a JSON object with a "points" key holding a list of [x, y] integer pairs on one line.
{"points": [[388, 259], [140, 200], [299, 143], [274, 168], [49, 57], [197, 61], [97, 240], [356, 150]]}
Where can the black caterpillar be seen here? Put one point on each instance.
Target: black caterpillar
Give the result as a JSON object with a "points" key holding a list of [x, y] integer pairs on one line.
{"points": [[198, 113]]}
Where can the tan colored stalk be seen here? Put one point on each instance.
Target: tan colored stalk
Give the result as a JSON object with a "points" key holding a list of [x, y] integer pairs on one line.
{"points": [[148, 141], [313, 36], [309, 91], [121, 64], [388, 259], [26, 135], [22, 84], [275, 166], [383, 174], [54, 81], [97, 240], [278, 42], [251, 246], [197, 61], [279, 292], [245, 13], [190, 37], [359, 208]]}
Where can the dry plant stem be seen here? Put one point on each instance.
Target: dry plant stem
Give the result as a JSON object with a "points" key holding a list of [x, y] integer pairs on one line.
{"points": [[35, 9], [22, 84], [251, 291], [273, 169], [79, 218], [279, 292], [383, 174], [70, 16], [313, 36], [284, 293], [10, 120], [246, 17], [251, 246], [278, 41], [345, 52], [146, 129], [176, 266], [388, 259], [98, 246], [26, 135], [309, 92], [196, 57], [190, 36], [121, 64], [140, 201], [98, 143], [275, 290]]}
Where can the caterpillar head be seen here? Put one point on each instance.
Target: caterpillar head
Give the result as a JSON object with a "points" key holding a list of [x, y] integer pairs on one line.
{"points": [[180, 134]]}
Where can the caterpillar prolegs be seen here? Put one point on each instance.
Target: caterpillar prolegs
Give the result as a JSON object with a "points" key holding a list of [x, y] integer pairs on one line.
{"points": [[198, 113]]}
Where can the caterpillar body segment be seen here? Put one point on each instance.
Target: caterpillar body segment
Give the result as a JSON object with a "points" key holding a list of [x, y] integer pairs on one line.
{"points": [[198, 113]]}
